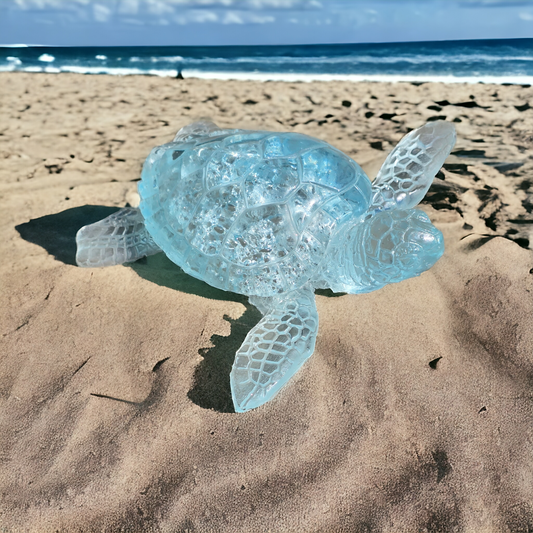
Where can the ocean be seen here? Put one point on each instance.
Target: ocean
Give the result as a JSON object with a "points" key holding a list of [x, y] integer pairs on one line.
{"points": [[489, 61]]}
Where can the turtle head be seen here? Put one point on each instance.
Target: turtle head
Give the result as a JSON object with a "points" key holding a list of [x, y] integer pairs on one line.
{"points": [[388, 247], [403, 243]]}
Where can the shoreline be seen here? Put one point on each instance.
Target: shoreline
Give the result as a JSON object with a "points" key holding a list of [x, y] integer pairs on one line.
{"points": [[275, 76]]}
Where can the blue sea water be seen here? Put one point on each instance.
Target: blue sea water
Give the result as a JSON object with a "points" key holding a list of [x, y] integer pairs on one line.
{"points": [[496, 61]]}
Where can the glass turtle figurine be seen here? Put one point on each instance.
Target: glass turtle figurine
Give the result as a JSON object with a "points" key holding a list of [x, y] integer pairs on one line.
{"points": [[274, 216]]}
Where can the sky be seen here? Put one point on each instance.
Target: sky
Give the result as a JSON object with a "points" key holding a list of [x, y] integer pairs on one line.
{"points": [[250, 22]]}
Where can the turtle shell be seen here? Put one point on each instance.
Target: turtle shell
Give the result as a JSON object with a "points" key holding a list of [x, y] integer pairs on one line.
{"points": [[250, 212]]}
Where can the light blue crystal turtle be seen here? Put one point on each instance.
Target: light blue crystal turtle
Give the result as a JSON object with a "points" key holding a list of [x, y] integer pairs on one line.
{"points": [[275, 216]]}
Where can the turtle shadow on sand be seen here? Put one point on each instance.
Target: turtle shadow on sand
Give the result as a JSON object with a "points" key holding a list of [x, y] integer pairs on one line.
{"points": [[57, 233], [211, 385]]}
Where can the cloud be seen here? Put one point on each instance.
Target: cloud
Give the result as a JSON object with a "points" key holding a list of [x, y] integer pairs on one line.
{"points": [[494, 3], [132, 21], [45, 4], [244, 17], [128, 7], [195, 17], [282, 20], [283, 4], [158, 7], [232, 18], [132, 7], [101, 13], [261, 19], [201, 17]]}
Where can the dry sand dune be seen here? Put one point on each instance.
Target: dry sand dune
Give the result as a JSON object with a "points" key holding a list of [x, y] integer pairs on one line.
{"points": [[414, 414]]}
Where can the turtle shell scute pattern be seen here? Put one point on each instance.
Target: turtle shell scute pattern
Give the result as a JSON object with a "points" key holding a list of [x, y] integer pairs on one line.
{"points": [[250, 212]]}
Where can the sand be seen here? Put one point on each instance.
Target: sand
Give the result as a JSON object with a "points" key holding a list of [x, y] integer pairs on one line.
{"points": [[414, 414]]}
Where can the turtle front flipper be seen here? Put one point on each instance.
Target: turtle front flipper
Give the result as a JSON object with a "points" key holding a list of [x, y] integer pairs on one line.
{"points": [[275, 349], [119, 238], [408, 171]]}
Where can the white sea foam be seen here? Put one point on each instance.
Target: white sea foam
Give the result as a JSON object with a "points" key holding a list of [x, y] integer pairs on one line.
{"points": [[161, 59], [272, 76], [14, 60], [292, 77], [101, 57], [167, 59], [414, 59], [118, 71], [47, 58]]}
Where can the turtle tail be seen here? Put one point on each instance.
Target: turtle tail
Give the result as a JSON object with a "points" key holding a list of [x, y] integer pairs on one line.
{"points": [[120, 238]]}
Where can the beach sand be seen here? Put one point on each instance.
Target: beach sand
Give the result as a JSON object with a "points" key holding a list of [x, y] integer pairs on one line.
{"points": [[414, 414]]}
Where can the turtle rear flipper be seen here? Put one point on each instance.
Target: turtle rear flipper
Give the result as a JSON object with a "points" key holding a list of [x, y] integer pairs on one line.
{"points": [[408, 171], [119, 238], [275, 349]]}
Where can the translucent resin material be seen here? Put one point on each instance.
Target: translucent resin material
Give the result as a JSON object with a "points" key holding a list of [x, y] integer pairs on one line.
{"points": [[275, 349], [408, 171], [250, 212], [120, 238], [274, 216]]}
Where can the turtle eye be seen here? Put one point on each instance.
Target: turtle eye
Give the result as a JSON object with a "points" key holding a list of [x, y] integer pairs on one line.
{"points": [[406, 249], [422, 236], [420, 215]]}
